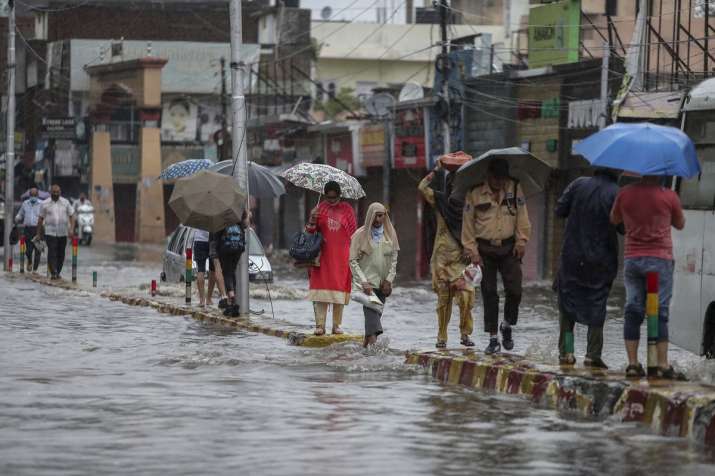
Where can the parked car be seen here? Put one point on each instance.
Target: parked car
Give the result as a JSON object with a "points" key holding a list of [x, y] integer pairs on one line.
{"points": [[174, 259]]}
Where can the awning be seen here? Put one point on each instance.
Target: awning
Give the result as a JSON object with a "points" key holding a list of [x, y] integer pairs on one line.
{"points": [[651, 105]]}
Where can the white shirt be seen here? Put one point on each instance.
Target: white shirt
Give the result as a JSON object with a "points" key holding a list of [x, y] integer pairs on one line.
{"points": [[57, 216], [201, 235]]}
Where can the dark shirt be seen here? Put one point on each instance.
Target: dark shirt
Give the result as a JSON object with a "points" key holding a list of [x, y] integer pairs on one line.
{"points": [[589, 256]]}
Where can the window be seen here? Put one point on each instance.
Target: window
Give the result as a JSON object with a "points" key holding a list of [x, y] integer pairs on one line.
{"points": [[699, 192], [174, 238], [331, 90]]}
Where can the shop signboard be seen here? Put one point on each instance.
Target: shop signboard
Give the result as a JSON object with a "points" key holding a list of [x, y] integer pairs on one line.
{"points": [[339, 151], [372, 144], [61, 128], [410, 139], [554, 33]]}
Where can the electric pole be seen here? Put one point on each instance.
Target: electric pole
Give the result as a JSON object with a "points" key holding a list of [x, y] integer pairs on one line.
{"points": [[10, 137], [444, 66], [224, 151], [238, 142], [604, 85]]}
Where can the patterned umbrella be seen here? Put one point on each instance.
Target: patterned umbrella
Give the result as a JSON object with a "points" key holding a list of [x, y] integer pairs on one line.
{"points": [[185, 168], [313, 177]]}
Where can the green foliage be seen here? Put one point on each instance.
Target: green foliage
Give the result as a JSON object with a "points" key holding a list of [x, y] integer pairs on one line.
{"points": [[334, 106]]}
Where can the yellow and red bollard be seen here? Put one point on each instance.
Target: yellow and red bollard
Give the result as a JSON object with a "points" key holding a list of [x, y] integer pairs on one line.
{"points": [[187, 278], [75, 252], [23, 247], [651, 307]]}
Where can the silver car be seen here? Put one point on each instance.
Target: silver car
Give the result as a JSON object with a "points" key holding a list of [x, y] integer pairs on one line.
{"points": [[174, 260]]}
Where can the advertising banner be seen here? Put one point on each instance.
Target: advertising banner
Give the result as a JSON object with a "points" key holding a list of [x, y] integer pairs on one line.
{"points": [[554, 33], [178, 120], [372, 144], [410, 139], [339, 151]]}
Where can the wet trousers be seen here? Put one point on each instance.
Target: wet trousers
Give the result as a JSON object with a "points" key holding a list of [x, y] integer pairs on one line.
{"points": [[594, 345], [30, 250], [55, 253], [509, 266], [446, 295], [228, 269], [321, 314]]}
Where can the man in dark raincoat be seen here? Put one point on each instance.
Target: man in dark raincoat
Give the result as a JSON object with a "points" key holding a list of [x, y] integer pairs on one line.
{"points": [[588, 263]]}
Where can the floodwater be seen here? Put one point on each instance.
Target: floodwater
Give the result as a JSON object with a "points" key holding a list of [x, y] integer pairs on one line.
{"points": [[90, 386]]}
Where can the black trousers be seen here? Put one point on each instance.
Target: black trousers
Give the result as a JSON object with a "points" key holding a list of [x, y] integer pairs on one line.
{"points": [[594, 338], [56, 253], [30, 250], [228, 269], [500, 259]]}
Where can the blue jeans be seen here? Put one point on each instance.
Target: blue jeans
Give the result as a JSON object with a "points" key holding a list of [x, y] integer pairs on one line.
{"points": [[635, 270]]}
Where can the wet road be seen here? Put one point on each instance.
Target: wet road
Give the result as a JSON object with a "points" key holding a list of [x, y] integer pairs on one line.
{"points": [[89, 386]]}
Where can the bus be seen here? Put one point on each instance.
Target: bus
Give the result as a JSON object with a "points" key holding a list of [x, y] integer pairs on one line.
{"points": [[692, 316]]}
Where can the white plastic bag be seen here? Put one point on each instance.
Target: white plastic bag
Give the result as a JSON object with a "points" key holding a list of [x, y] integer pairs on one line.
{"points": [[370, 301], [473, 274]]}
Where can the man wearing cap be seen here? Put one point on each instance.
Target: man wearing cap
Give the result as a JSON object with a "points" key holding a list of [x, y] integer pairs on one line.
{"points": [[495, 230]]}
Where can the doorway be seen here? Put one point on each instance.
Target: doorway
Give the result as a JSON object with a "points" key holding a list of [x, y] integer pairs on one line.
{"points": [[125, 204]]}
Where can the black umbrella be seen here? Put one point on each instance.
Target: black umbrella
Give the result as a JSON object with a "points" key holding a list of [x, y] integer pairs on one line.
{"points": [[262, 182], [532, 172]]}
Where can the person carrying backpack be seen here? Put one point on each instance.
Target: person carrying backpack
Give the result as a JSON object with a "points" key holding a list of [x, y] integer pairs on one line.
{"points": [[227, 246]]}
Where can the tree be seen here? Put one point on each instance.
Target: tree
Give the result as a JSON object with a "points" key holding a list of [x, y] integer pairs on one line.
{"points": [[336, 105]]}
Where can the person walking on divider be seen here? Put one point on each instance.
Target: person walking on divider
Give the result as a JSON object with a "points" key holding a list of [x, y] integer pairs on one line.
{"points": [[201, 255], [330, 283], [495, 231], [373, 261], [648, 211], [55, 225], [227, 246], [28, 217], [588, 263], [448, 260]]}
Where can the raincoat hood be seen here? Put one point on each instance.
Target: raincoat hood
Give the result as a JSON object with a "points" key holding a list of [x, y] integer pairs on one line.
{"points": [[360, 243]]}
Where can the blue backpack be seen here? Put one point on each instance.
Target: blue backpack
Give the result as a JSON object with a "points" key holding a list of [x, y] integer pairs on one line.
{"points": [[234, 240]]}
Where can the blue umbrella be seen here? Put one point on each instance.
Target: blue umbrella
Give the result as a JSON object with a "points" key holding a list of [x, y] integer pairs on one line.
{"points": [[643, 148], [185, 168]]}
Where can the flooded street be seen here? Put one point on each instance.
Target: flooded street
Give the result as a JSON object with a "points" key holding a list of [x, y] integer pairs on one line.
{"points": [[90, 386]]}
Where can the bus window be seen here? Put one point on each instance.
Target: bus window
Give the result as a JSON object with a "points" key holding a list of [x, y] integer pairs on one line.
{"points": [[699, 193]]}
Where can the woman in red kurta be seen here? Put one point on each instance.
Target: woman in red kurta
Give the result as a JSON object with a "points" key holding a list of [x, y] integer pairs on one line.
{"points": [[330, 283]]}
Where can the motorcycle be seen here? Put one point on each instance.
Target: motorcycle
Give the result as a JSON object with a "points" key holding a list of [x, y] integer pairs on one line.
{"points": [[85, 223]]}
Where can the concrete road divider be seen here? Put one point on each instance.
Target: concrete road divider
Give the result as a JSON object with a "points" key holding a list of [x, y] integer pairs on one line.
{"points": [[670, 408]]}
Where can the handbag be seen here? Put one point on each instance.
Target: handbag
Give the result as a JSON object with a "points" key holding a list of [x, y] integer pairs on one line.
{"points": [[305, 246]]}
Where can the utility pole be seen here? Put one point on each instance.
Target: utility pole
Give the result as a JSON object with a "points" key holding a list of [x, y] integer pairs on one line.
{"points": [[604, 85], [10, 138], [238, 141], [224, 153], [444, 59]]}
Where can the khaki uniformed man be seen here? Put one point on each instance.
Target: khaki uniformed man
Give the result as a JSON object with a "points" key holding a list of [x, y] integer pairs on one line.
{"points": [[447, 266], [495, 230]]}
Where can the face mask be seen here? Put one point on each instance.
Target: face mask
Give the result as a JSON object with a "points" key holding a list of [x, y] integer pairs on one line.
{"points": [[33, 200]]}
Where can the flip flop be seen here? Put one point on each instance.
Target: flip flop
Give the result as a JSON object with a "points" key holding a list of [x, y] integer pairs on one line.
{"points": [[319, 331], [338, 331]]}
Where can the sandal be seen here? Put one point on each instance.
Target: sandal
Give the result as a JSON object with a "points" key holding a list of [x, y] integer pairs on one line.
{"points": [[337, 331], [567, 359], [319, 331], [466, 341], [635, 371], [671, 374], [441, 345]]}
